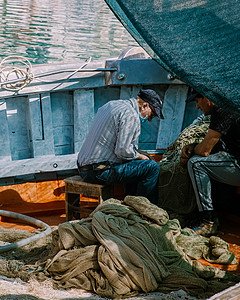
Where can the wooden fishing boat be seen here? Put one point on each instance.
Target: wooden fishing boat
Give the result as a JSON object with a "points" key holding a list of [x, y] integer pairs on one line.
{"points": [[46, 112], [44, 124]]}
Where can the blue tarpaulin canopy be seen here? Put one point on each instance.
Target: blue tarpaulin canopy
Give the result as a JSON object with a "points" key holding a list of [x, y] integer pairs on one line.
{"points": [[198, 41]]}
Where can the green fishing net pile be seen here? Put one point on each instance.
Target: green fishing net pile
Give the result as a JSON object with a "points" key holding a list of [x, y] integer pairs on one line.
{"points": [[122, 249], [176, 194]]}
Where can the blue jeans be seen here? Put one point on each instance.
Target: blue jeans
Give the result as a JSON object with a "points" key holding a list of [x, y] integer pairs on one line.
{"points": [[221, 166], [140, 177]]}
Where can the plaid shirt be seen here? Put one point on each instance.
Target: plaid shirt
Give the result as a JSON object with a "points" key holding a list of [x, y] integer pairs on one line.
{"points": [[113, 135]]}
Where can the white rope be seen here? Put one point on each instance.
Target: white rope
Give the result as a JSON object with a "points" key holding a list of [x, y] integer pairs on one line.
{"points": [[87, 61], [12, 68]]}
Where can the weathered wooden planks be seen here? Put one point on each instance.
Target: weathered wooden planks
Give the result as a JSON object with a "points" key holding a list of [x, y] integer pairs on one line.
{"points": [[17, 116], [63, 122], [173, 111], [5, 152], [83, 115], [39, 165], [40, 118]]}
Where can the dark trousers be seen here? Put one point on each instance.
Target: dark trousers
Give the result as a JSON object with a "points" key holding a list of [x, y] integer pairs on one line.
{"points": [[140, 177]]}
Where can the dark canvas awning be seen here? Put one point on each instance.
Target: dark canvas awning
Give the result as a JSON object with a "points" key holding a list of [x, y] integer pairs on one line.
{"points": [[198, 41]]}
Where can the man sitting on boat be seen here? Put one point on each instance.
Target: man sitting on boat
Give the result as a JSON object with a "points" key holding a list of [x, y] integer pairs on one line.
{"points": [[204, 163], [109, 153]]}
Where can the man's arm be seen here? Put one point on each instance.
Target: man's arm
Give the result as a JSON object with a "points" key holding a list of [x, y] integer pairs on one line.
{"points": [[203, 149]]}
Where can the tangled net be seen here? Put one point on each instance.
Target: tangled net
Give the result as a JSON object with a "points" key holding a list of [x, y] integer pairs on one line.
{"points": [[194, 133], [176, 194], [15, 73]]}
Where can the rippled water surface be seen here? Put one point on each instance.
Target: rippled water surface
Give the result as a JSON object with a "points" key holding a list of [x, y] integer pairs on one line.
{"points": [[60, 30]]}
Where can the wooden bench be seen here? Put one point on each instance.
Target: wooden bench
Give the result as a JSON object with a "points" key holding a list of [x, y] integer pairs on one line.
{"points": [[76, 188]]}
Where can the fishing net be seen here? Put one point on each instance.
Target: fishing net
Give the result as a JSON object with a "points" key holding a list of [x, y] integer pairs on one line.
{"points": [[197, 41], [20, 263], [176, 194], [124, 248]]}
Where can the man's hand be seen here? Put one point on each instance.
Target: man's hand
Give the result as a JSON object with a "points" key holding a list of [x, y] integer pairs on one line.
{"points": [[143, 157], [187, 152]]}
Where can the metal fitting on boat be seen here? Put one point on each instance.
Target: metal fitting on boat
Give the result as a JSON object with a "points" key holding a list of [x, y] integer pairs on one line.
{"points": [[121, 76], [170, 76]]}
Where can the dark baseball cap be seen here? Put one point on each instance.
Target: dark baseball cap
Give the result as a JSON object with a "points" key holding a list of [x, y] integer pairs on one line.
{"points": [[193, 94], [153, 99]]}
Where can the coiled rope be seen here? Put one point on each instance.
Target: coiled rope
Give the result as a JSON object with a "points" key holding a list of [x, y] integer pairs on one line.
{"points": [[12, 68]]}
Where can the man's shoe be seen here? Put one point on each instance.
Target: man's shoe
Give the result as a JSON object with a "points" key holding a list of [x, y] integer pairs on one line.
{"points": [[207, 228]]}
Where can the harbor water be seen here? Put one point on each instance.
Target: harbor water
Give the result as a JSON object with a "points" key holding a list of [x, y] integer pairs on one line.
{"points": [[57, 31]]}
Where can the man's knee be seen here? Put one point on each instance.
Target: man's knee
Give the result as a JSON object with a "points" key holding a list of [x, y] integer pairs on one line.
{"points": [[153, 165], [194, 161]]}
